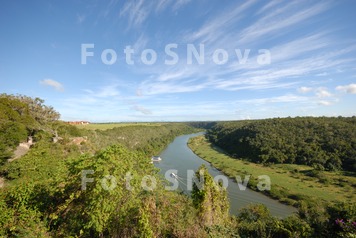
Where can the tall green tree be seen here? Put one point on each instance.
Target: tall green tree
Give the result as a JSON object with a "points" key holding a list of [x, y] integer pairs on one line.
{"points": [[210, 199]]}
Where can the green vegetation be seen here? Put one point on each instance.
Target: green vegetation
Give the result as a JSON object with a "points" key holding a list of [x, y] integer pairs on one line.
{"points": [[113, 211], [106, 126], [44, 195], [296, 154], [324, 143], [210, 199], [20, 117], [147, 139], [291, 183]]}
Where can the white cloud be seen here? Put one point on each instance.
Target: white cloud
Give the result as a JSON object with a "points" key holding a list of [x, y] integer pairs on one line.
{"points": [[104, 92], [322, 93], [304, 89], [279, 99], [141, 109], [351, 88], [325, 103], [167, 87], [322, 74], [52, 83]]}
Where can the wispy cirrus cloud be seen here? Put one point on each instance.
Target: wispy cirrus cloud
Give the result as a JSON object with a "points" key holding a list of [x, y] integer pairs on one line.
{"points": [[290, 61], [292, 58], [52, 83], [268, 6], [299, 47], [311, 53], [272, 23], [215, 28], [137, 11], [179, 3], [277, 99], [155, 87], [175, 5], [140, 43]]}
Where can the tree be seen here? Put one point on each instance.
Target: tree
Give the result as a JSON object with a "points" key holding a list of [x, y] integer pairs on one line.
{"points": [[324, 143], [32, 111], [15, 123], [107, 207], [255, 220], [210, 199]]}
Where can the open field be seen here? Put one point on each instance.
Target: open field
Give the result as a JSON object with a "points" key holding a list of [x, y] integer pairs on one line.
{"points": [[106, 126], [289, 182]]}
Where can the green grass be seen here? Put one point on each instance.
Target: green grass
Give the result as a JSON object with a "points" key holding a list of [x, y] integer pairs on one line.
{"points": [[107, 126], [289, 182]]}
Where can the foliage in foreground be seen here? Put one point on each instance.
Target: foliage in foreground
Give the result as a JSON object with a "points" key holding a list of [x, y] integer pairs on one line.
{"points": [[115, 206], [210, 199]]}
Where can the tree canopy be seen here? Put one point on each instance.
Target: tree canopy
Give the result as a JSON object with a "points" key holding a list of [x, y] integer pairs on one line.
{"points": [[325, 143]]}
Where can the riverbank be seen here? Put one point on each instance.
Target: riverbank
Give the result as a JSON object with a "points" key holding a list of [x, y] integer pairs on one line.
{"points": [[289, 183], [180, 157]]}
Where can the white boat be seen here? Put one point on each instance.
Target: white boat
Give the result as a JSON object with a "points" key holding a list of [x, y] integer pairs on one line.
{"points": [[156, 159], [173, 175]]}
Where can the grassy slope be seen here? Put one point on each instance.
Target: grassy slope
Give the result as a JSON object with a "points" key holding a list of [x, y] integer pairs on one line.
{"points": [[289, 182]]}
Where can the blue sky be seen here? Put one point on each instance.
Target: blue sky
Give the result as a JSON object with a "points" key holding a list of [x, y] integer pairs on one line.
{"points": [[311, 47]]}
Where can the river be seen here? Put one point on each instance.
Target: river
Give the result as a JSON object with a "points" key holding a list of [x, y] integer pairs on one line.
{"points": [[180, 157]]}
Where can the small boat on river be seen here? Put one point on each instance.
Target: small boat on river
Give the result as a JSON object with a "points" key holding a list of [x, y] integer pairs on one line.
{"points": [[173, 175], [156, 159]]}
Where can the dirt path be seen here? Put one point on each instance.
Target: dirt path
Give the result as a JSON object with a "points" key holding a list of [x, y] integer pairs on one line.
{"points": [[21, 150], [2, 182]]}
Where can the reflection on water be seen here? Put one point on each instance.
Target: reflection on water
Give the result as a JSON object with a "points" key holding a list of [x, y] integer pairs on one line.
{"points": [[178, 156]]}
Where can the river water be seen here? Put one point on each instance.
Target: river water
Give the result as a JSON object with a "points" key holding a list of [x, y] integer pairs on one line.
{"points": [[179, 156]]}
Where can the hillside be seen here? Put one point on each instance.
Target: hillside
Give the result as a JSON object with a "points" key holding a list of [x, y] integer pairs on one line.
{"points": [[324, 143]]}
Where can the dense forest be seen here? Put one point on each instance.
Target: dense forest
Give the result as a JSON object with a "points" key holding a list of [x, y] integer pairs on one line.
{"points": [[43, 193], [324, 143]]}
